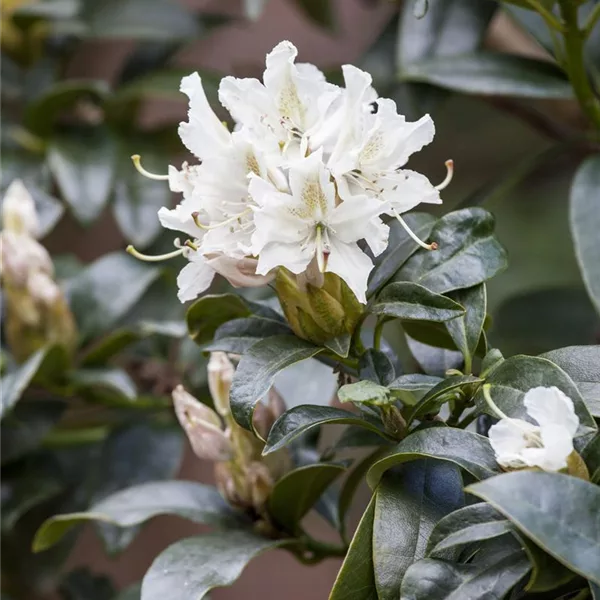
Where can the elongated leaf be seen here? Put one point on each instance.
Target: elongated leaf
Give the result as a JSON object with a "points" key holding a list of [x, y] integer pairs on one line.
{"points": [[491, 74], [15, 383], [209, 312], [405, 300], [410, 388], [468, 253], [582, 365], [408, 504], [84, 168], [534, 502], [190, 568], [107, 289], [431, 579], [307, 381], [585, 224], [400, 247], [355, 580], [257, 369], [298, 491], [376, 366], [436, 396], [468, 450], [132, 506], [297, 421], [518, 374], [434, 360], [238, 335], [466, 525]]}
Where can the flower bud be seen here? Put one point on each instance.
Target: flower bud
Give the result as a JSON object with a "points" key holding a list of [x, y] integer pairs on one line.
{"points": [[260, 484], [220, 375], [18, 210], [317, 314], [202, 426], [22, 255], [393, 421]]}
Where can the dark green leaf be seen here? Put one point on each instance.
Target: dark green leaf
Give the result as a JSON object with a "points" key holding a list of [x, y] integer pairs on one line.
{"points": [[411, 301], [190, 568], [319, 12], [468, 253], [375, 365], [409, 502], [585, 223], [466, 525], [106, 290], [468, 450], [15, 383], [257, 369], [238, 335], [84, 168], [365, 391], [298, 491], [132, 506], [490, 361], [466, 331], [108, 346], [133, 592], [535, 503], [532, 22], [591, 456], [25, 427], [434, 360], [443, 392], [411, 388], [356, 580], [518, 374], [400, 247], [431, 579], [296, 421], [582, 365], [491, 74]]}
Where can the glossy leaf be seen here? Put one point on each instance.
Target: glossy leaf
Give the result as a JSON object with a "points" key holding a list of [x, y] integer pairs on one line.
{"points": [[412, 387], [190, 568], [405, 300], [238, 335], [355, 579], [297, 421], [408, 503], [257, 369], [15, 383], [434, 361], [376, 366], [197, 502], [518, 374], [468, 253], [340, 345], [84, 168], [431, 579], [585, 224], [400, 247], [490, 74], [534, 502], [468, 450], [297, 492], [466, 525], [107, 289]]}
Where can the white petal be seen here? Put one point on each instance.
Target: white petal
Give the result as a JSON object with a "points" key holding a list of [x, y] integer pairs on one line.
{"points": [[194, 278], [351, 218], [278, 63], [293, 257], [351, 264], [550, 406], [203, 134], [240, 272], [407, 189], [179, 219], [18, 210], [246, 99], [508, 441], [377, 235], [558, 444]]}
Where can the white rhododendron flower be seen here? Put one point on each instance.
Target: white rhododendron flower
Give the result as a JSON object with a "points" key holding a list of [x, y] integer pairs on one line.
{"points": [[306, 174], [547, 445]]}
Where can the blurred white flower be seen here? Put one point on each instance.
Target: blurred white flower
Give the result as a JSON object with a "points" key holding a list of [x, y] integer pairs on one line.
{"points": [[519, 444], [18, 210]]}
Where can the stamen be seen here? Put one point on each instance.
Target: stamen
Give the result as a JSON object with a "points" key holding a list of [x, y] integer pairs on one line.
{"points": [[195, 216], [449, 174], [432, 246], [157, 258], [136, 158]]}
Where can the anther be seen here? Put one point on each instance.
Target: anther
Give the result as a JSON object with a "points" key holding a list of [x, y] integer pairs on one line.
{"points": [[432, 246], [138, 165], [156, 258], [449, 174]]}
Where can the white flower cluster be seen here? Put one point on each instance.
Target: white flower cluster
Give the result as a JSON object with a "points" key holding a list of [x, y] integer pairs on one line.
{"points": [[307, 173]]}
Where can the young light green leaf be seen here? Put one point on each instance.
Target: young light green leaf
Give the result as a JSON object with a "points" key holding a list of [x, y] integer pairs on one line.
{"points": [[190, 568], [585, 224], [257, 369], [535, 503], [132, 506], [300, 419], [411, 301], [365, 392], [468, 450]]}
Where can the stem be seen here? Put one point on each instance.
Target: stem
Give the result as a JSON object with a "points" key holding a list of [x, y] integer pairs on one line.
{"points": [[575, 66], [592, 20], [466, 421], [551, 20], [378, 333], [322, 550]]}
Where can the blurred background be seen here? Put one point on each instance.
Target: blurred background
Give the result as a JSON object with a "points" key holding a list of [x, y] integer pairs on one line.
{"points": [[86, 84]]}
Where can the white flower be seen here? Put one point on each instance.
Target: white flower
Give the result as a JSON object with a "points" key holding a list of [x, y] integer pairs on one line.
{"points": [[294, 228], [18, 210], [547, 445]]}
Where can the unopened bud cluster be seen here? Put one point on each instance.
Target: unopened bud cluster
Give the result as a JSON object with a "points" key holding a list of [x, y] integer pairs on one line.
{"points": [[244, 477], [36, 311]]}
